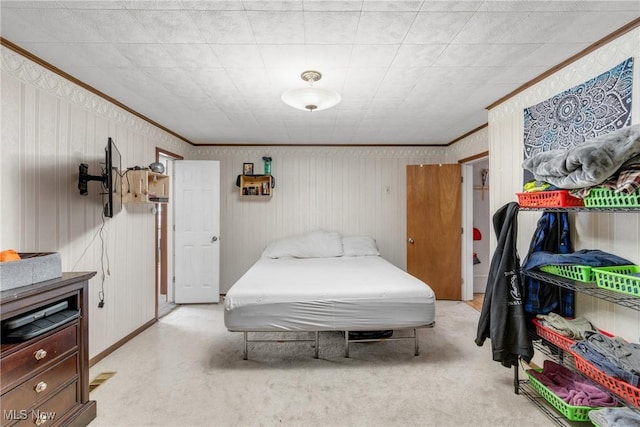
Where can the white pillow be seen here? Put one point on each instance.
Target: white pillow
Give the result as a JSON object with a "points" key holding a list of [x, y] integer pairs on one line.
{"points": [[318, 244], [359, 246]]}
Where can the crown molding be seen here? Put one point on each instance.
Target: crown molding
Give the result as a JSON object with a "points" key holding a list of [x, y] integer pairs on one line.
{"points": [[31, 69], [585, 52]]}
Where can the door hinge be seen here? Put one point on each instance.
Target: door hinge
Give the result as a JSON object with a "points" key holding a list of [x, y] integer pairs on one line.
{"points": [[174, 279], [461, 179], [462, 230]]}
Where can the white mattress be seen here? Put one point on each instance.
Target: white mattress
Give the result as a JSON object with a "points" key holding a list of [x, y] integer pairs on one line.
{"points": [[321, 294]]}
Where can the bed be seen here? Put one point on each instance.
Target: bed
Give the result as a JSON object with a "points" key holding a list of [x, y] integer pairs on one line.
{"points": [[323, 282]]}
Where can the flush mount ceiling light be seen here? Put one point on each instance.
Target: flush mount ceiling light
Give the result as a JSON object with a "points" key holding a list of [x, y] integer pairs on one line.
{"points": [[311, 98]]}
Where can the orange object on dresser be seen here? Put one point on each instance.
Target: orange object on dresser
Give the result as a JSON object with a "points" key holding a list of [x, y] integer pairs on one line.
{"points": [[9, 255]]}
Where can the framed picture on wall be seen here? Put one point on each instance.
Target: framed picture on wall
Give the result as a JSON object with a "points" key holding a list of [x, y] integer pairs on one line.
{"points": [[247, 168]]}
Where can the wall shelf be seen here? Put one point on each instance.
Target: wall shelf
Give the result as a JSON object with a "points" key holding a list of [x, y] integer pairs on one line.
{"points": [[557, 354], [255, 186], [591, 289], [144, 186], [583, 209], [587, 288]]}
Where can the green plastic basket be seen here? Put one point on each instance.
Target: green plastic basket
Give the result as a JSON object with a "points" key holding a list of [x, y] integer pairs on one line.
{"points": [[581, 273], [623, 278], [606, 198], [572, 413]]}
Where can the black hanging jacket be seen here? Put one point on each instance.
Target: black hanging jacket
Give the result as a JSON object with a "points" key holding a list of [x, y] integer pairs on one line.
{"points": [[502, 318]]}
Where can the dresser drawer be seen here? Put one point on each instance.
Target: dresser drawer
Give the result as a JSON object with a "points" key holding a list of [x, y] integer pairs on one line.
{"points": [[35, 357], [52, 411], [42, 386]]}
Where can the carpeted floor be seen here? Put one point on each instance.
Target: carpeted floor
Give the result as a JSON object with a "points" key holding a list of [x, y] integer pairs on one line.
{"points": [[187, 370], [477, 301]]}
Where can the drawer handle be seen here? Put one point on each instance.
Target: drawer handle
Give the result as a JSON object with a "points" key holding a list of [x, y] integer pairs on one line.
{"points": [[40, 354], [41, 386], [41, 419]]}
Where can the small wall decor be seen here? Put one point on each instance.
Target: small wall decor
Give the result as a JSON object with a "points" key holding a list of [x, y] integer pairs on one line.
{"points": [[484, 176], [267, 165], [593, 108], [247, 169]]}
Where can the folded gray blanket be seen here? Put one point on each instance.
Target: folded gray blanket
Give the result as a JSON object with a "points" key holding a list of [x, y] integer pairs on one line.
{"points": [[615, 417], [587, 164]]}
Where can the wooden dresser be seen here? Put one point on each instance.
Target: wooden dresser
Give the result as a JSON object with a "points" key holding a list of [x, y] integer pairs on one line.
{"points": [[44, 381]]}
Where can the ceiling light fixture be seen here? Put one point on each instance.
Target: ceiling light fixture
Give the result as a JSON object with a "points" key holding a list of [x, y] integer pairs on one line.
{"points": [[311, 98]]}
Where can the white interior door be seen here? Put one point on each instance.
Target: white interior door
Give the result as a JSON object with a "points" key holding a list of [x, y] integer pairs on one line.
{"points": [[197, 231]]}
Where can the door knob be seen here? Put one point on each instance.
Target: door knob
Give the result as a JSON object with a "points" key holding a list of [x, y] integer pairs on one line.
{"points": [[214, 239], [410, 240]]}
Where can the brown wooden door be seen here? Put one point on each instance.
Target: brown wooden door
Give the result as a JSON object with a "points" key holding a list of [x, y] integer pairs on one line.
{"points": [[434, 227]]}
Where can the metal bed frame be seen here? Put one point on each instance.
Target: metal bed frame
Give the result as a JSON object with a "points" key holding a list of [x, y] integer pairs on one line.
{"points": [[347, 341]]}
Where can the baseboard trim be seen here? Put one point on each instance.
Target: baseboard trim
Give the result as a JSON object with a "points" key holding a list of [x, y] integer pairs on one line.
{"points": [[120, 343]]}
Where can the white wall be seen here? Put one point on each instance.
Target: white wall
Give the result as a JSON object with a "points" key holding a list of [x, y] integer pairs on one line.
{"points": [[482, 221], [50, 126], [618, 233], [342, 189]]}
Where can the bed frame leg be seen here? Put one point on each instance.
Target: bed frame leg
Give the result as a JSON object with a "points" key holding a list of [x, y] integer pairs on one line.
{"points": [[346, 343], [315, 356], [246, 345], [415, 334]]}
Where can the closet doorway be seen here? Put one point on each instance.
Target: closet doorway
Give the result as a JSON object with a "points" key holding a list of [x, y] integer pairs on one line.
{"points": [[476, 218], [165, 301]]}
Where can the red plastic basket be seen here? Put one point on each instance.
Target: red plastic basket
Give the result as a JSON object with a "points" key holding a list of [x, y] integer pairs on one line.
{"points": [[553, 337], [557, 339], [548, 199], [623, 389]]}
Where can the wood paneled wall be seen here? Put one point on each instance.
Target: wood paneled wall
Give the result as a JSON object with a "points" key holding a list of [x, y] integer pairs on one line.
{"points": [[469, 146], [618, 233], [49, 127], [351, 190]]}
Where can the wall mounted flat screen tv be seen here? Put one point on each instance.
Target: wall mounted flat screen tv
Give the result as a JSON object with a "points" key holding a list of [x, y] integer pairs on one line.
{"points": [[114, 184], [109, 178]]}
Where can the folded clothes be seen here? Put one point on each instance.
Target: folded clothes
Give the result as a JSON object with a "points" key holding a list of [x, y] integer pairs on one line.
{"points": [[571, 328], [615, 417], [612, 355], [535, 186], [626, 180], [590, 257], [571, 387]]}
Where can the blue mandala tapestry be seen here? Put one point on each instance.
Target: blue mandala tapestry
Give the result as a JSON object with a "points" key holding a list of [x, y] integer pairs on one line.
{"points": [[593, 108]]}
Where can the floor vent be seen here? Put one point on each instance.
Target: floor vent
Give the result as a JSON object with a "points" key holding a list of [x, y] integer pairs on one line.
{"points": [[99, 380]]}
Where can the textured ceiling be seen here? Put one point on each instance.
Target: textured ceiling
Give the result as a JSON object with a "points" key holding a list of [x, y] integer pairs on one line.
{"points": [[410, 72]]}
